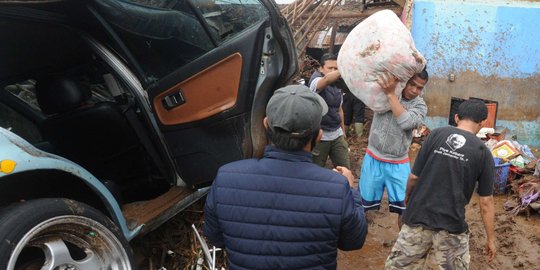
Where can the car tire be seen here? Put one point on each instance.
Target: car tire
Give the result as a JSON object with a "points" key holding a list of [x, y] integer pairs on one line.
{"points": [[60, 234]]}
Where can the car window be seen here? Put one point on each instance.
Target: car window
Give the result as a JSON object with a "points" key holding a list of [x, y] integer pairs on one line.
{"points": [[164, 35], [230, 17], [161, 35], [25, 91], [13, 120]]}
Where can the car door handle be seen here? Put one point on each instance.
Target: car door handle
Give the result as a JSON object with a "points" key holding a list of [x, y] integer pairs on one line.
{"points": [[173, 100]]}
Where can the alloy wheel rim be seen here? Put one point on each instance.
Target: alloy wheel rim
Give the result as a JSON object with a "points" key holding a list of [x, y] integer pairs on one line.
{"points": [[96, 245]]}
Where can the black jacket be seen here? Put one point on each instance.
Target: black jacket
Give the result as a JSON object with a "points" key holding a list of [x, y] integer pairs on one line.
{"points": [[283, 212]]}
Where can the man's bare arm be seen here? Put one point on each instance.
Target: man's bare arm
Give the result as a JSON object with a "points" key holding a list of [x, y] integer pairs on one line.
{"points": [[327, 80], [487, 210], [342, 115], [411, 182]]}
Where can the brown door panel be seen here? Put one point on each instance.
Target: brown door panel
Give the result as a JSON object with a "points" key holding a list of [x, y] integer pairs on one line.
{"points": [[204, 94]]}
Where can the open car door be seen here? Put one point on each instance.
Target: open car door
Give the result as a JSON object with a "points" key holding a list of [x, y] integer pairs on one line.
{"points": [[209, 67]]}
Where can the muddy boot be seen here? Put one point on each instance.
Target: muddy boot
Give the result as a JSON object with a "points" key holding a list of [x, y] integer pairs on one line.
{"points": [[359, 129]]}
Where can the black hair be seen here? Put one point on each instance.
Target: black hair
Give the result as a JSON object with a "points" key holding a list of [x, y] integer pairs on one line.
{"points": [[284, 141], [423, 74], [474, 110], [326, 57]]}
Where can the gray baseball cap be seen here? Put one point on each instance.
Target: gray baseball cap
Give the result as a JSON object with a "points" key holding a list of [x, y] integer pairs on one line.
{"points": [[296, 109]]}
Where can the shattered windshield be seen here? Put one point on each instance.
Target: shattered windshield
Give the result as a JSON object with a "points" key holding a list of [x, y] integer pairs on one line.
{"points": [[164, 35], [228, 17], [160, 23]]}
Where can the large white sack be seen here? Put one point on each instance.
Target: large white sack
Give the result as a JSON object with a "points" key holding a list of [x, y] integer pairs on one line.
{"points": [[380, 43]]}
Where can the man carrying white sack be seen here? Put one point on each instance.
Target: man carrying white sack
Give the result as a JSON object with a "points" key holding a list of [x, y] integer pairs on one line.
{"points": [[386, 163]]}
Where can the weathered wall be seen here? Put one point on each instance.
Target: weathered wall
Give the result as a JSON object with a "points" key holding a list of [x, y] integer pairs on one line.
{"points": [[493, 49]]}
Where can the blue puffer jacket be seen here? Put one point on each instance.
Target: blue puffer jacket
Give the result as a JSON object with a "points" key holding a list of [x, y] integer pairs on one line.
{"points": [[283, 212]]}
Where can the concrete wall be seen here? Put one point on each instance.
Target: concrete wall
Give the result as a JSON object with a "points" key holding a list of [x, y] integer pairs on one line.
{"points": [[493, 49]]}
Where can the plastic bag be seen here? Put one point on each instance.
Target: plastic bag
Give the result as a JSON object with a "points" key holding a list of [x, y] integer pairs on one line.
{"points": [[380, 43]]}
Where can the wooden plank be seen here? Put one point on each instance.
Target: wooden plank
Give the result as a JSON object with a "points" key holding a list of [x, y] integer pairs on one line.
{"points": [[406, 15], [341, 14], [401, 3], [138, 213]]}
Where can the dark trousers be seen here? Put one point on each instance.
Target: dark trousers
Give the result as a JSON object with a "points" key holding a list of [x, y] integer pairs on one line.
{"points": [[353, 108]]}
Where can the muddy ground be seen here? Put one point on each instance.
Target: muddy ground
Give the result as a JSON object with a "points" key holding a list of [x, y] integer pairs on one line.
{"points": [[518, 238]]}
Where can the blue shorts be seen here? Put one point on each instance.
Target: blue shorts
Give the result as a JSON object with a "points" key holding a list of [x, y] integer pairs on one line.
{"points": [[375, 176]]}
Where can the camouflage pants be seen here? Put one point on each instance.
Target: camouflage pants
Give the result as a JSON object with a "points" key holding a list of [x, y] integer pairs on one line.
{"points": [[450, 251]]}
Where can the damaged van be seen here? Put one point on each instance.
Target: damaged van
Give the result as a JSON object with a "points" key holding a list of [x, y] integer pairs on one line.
{"points": [[116, 114]]}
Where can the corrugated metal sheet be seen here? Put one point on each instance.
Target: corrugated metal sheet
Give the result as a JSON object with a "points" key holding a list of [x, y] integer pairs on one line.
{"points": [[321, 39]]}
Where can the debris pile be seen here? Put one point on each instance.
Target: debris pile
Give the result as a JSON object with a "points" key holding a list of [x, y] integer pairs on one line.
{"points": [[517, 170], [525, 193], [174, 245], [307, 67]]}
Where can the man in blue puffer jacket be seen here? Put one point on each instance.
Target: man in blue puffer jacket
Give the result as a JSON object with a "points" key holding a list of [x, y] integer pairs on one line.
{"points": [[282, 211]]}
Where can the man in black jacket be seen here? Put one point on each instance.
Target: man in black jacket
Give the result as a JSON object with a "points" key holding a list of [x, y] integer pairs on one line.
{"points": [[282, 211]]}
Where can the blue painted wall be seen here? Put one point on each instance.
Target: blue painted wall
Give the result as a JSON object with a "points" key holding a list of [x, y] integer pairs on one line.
{"points": [[493, 49]]}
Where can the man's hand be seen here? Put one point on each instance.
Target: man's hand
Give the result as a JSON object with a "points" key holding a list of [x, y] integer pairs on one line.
{"points": [[487, 210], [327, 80], [388, 83], [490, 250], [347, 173]]}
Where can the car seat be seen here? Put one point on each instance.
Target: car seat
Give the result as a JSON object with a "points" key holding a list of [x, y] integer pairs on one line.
{"points": [[97, 136]]}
